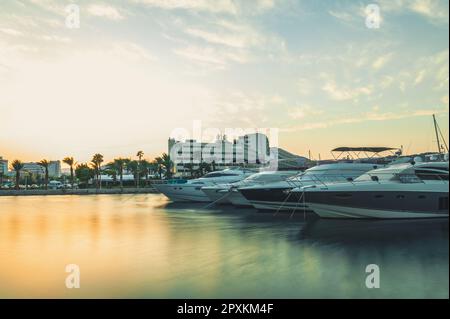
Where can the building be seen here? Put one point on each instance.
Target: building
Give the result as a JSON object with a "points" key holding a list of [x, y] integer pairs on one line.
{"points": [[3, 166], [250, 150], [54, 169]]}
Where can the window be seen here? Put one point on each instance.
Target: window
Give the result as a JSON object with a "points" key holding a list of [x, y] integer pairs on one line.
{"points": [[427, 175], [379, 196], [421, 197], [209, 175], [400, 196]]}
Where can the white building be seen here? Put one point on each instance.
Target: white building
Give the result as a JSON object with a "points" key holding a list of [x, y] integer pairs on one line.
{"points": [[3, 166], [54, 169], [248, 150]]}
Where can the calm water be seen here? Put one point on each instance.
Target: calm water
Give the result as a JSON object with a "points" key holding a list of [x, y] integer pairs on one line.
{"points": [[141, 246]]}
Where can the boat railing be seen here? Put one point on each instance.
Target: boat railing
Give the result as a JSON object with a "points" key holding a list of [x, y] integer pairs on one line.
{"points": [[375, 177], [320, 179]]}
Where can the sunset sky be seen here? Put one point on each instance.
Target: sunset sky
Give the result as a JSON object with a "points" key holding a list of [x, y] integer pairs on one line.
{"points": [[137, 69]]}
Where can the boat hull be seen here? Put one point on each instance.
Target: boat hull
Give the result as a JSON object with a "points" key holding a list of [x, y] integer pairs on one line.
{"points": [[334, 211], [183, 193], [237, 199], [217, 195]]}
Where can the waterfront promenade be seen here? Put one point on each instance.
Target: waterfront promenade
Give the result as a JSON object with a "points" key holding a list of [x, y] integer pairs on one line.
{"points": [[89, 191]]}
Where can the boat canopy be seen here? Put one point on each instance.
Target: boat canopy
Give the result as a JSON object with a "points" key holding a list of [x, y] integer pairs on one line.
{"points": [[364, 149], [355, 151]]}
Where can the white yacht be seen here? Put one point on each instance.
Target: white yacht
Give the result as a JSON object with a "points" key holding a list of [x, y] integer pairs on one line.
{"points": [[190, 190], [229, 194], [398, 191], [278, 196]]}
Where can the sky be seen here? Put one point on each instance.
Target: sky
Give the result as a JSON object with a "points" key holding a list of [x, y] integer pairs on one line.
{"points": [[136, 70]]}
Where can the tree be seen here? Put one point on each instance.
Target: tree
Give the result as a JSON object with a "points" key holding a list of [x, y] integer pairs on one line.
{"points": [[139, 154], [71, 162], [165, 162], [133, 167], [17, 166], [145, 170], [44, 164], [157, 164], [204, 168], [118, 166], [96, 163], [84, 173]]}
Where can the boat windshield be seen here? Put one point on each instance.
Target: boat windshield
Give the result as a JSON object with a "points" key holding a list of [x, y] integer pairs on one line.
{"points": [[219, 174], [266, 178]]}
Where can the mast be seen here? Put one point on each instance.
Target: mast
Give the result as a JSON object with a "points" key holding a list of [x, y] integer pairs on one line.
{"points": [[437, 134]]}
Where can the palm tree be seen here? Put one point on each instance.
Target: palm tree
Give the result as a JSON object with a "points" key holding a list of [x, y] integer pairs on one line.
{"points": [[139, 154], [118, 165], [158, 165], [96, 163], [71, 162], [17, 166], [133, 167], [145, 169], [165, 161], [44, 163]]}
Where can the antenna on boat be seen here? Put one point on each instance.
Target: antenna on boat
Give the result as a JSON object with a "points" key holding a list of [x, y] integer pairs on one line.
{"points": [[438, 132], [437, 135]]}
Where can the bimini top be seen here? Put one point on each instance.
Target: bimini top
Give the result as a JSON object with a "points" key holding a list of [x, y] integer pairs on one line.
{"points": [[364, 149], [354, 152]]}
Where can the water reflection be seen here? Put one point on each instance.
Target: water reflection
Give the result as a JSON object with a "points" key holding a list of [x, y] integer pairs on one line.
{"points": [[142, 246]]}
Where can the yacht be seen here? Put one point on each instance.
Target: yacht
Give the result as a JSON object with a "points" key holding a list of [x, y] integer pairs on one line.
{"points": [[229, 194], [277, 196], [418, 190], [190, 190]]}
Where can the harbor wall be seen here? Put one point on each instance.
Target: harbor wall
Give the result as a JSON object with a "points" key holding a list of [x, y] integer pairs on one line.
{"points": [[93, 191]]}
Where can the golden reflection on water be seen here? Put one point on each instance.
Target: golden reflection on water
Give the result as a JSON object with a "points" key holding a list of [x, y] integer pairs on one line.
{"points": [[138, 246]]}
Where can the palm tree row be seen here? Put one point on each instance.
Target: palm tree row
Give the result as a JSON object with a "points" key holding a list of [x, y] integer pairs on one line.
{"points": [[84, 172]]}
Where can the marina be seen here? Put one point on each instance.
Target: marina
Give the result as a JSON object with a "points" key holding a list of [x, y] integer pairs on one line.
{"points": [[196, 153]]}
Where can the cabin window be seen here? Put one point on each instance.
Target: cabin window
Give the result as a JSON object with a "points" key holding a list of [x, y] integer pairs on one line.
{"points": [[379, 196], [443, 203], [429, 175], [421, 197], [374, 178], [400, 196]]}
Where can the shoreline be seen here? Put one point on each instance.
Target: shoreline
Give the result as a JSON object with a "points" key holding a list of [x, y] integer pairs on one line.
{"points": [[55, 192]]}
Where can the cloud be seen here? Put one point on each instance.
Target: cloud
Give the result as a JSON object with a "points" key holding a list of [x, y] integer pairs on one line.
{"points": [[435, 11], [11, 32], [105, 11], [419, 78], [364, 117], [217, 6], [221, 42], [344, 93], [210, 56], [381, 61], [240, 37], [303, 111], [341, 15]]}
